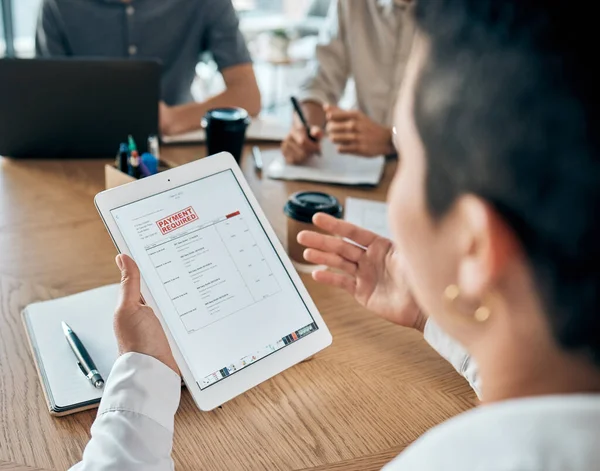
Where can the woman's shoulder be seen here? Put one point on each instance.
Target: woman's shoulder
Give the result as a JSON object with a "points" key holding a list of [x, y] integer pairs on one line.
{"points": [[533, 434]]}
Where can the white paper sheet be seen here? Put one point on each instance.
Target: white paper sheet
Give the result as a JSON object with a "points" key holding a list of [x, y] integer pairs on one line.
{"points": [[371, 215], [260, 129], [90, 315], [330, 167]]}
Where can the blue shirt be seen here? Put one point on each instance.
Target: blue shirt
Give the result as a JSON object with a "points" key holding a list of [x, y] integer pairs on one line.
{"points": [[174, 31]]}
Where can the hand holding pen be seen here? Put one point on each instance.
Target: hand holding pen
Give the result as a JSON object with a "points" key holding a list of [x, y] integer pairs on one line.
{"points": [[301, 117], [303, 140]]}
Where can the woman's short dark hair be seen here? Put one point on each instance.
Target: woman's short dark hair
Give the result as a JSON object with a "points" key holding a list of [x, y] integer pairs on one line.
{"points": [[507, 107]]}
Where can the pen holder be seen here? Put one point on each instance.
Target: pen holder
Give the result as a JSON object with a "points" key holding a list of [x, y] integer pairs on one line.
{"points": [[113, 177]]}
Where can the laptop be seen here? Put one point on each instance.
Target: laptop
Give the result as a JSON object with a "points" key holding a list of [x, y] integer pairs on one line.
{"points": [[76, 108]]}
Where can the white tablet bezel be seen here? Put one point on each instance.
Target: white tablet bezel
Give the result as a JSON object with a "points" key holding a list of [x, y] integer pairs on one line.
{"points": [[246, 378]]}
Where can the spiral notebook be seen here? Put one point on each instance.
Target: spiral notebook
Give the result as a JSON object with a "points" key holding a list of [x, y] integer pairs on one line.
{"points": [[90, 315]]}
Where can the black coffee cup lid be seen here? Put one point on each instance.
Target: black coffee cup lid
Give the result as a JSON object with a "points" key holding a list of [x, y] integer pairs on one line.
{"points": [[226, 115], [302, 206]]}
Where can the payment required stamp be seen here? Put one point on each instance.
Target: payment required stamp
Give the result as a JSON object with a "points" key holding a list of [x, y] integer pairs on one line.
{"points": [[177, 220]]}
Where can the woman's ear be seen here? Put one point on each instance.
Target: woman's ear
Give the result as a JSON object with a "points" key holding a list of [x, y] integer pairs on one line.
{"points": [[488, 245]]}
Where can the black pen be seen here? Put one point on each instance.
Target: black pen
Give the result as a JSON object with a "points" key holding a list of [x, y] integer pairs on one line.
{"points": [[258, 161], [84, 360], [300, 114]]}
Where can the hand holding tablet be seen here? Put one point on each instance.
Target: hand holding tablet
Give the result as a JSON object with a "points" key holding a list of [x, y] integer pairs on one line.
{"points": [[232, 306], [136, 327]]}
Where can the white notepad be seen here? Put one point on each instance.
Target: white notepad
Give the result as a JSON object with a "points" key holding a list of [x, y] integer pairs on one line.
{"points": [[90, 315], [369, 214], [330, 167], [260, 129]]}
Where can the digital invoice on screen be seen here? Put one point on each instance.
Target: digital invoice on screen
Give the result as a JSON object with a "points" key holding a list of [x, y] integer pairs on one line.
{"points": [[219, 283]]}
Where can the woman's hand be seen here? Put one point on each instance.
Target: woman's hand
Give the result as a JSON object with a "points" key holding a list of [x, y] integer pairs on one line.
{"points": [[373, 275], [136, 327]]}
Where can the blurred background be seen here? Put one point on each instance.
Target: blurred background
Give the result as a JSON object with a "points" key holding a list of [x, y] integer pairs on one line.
{"points": [[281, 36]]}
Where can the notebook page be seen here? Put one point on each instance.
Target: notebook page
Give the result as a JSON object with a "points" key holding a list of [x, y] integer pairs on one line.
{"points": [[330, 167], [90, 315], [260, 129], [268, 129]]}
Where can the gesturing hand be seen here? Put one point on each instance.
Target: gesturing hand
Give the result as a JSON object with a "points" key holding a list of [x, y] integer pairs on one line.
{"points": [[373, 276], [136, 327], [355, 133]]}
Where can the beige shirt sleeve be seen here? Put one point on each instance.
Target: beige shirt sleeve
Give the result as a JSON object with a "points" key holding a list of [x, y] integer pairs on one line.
{"points": [[330, 69]]}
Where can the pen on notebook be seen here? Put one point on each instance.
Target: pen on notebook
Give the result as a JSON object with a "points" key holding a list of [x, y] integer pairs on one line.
{"points": [[258, 161], [300, 114], [84, 360]]}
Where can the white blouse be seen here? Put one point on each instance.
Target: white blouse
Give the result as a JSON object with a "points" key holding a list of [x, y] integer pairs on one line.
{"points": [[134, 426], [546, 433]]}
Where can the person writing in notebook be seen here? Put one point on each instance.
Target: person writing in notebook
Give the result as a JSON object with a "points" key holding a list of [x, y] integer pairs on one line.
{"points": [[175, 32], [368, 41], [502, 258]]}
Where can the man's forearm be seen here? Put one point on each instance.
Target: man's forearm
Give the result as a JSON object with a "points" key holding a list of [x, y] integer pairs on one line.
{"points": [[187, 117]]}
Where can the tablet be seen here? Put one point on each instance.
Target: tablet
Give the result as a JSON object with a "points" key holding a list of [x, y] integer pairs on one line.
{"points": [[234, 309]]}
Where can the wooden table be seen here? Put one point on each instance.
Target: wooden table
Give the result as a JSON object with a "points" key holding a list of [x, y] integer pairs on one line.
{"points": [[354, 406]]}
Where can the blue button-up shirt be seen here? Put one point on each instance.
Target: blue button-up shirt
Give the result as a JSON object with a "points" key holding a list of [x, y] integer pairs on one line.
{"points": [[174, 31]]}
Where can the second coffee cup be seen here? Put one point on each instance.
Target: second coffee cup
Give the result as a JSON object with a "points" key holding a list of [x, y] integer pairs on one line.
{"points": [[300, 209]]}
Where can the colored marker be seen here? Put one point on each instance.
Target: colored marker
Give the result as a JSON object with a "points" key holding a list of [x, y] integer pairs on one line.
{"points": [[132, 145], [134, 165], [144, 170]]}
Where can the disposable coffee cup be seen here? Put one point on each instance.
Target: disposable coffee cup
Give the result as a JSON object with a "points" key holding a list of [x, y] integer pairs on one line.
{"points": [[225, 130], [300, 209]]}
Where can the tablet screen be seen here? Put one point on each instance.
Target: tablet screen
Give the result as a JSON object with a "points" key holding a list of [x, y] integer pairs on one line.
{"points": [[218, 281]]}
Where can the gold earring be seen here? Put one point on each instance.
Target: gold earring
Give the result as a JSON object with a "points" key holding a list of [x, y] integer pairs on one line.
{"points": [[481, 314], [452, 292]]}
